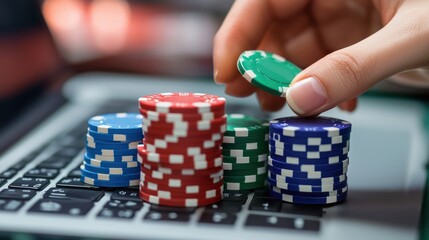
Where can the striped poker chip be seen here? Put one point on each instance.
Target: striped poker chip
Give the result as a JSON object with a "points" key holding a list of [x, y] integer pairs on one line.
{"points": [[148, 157], [242, 140], [116, 137], [246, 178], [243, 153], [179, 202], [170, 142], [96, 144], [245, 160], [123, 158], [304, 148], [310, 194], [104, 183], [309, 175], [297, 160], [245, 166], [122, 123], [184, 171], [178, 181], [246, 146], [202, 125], [309, 167], [157, 131], [163, 176], [306, 181], [108, 164], [182, 103], [309, 141], [111, 152], [188, 150], [252, 171], [168, 194], [310, 154], [110, 171], [240, 125], [174, 117], [308, 200], [307, 188], [191, 188], [310, 127], [238, 186], [108, 177]]}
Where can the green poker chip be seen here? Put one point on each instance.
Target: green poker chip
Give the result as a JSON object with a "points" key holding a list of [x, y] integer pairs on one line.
{"points": [[245, 178], [246, 146], [233, 140], [243, 153], [267, 71], [258, 171], [239, 167], [237, 186], [246, 160], [240, 125]]}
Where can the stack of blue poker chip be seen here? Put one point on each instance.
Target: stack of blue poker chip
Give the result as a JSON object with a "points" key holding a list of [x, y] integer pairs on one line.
{"points": [[111, 150], [308, 159]]}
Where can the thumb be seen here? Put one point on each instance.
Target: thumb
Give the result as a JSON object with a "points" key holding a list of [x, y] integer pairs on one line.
{"points": [[348, 72]]}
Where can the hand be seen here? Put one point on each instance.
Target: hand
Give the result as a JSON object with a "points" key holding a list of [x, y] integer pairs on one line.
{"points": [[347, 47]]}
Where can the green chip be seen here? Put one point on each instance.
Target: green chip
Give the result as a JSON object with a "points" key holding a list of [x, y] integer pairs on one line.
{"points": [[246, 160], [236, 186], [245, 178], [246, 146], [240, 125], [267, 71], [243, 153], [235, 166], [232, 140], [258, 171]]}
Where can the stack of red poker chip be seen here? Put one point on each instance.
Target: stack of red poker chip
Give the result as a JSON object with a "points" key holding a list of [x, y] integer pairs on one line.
{"points": [[181, 156]]}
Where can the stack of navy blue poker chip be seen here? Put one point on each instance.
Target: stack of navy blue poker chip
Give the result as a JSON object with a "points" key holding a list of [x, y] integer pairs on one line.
{"points": [[308, 159], [111, 150]]}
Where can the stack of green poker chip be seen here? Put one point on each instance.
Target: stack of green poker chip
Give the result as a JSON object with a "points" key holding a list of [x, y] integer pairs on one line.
{"points": [[245, 152], [267, 71]]}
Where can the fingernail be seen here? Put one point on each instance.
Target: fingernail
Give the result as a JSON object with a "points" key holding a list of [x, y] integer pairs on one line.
{"points": [[215, 73], [306, 95]]}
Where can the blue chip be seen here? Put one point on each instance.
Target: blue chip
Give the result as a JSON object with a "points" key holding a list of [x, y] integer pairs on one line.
{"points": [[116, 137], [109, 164], [111, 152], [310, 127], [305, 148], [309, 141], [109, 184], [297, 160], [309, 194], [113, 171], [279, 152], [309, 167], [308, 200], [124, 158], [306, 181], [121, 123], [114, 146], [109, 177], [307, 188], [309, 175]]}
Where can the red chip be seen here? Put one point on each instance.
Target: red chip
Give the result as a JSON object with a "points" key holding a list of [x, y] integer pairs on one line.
{"points": [[178, 181], [199, 126], [195, 187], [168, 194], [180, 202], [182, 117], [186, 178], [184, 171]]}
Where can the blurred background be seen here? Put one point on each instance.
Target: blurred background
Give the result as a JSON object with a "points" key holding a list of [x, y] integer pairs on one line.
{"points": [[44, 42]]}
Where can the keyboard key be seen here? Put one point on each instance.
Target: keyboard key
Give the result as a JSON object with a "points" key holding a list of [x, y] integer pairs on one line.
{"points": [[74, 182], [158, 208], [265, 204], [116, 213], [30, 183], [284, 223], [2, 181], [222, 218], [17, 194], [120, 204], [23, 162], [225, 206], [74, 194], [74, 173], [42, 173], [126, 194], [8, 173], [167, 216], [234, 196], [307, 210], [61, 206], [10, 205]]}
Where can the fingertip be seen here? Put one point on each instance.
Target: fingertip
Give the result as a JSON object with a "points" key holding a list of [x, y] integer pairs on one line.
{"points": [[239, 88], [269, 102]]}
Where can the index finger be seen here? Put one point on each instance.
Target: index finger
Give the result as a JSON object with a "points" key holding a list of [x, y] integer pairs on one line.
{"points": [[243, 29]]}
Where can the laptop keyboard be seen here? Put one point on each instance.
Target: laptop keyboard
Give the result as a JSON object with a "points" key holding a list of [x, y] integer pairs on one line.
{"points": [[54, 181]]}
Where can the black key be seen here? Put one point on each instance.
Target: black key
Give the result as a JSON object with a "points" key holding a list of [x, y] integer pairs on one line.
{"points": [[74, 182], [22, 163], [74, 173], [42, 173], [61, 206], [8, 173], [308, 210], [126, 194], [57, 162], [116, 213], [167, 216], [120, 204], [225, 206], [265, 204], [284, 223], [261, 192], [74, 194], [222, 218], [10, 205], [30, 183], [17, 194], [2, 181], [235, 196], [158, 208]]}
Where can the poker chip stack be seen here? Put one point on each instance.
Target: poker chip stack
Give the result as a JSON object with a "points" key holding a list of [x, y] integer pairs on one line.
{"points": [[245, 152], [309, 159], [181, 157], [111, 150]]}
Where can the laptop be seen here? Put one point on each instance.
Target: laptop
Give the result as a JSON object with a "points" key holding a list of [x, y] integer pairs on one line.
{"points": [[41, 196]]}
